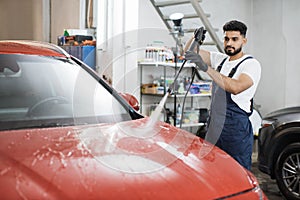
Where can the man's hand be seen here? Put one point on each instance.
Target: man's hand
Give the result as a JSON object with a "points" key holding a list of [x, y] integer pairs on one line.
{"points": [[199, 35], [196, 58]]}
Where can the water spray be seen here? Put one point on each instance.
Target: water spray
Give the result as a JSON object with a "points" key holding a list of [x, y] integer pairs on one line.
{"points": [[199, 36]]}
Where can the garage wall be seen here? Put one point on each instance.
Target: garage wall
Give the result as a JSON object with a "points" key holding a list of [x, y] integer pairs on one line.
{"points": [[21, 19], [65, 14], [33, 19], [270, 48], [276, 45], [291, 29], [117, 43]]}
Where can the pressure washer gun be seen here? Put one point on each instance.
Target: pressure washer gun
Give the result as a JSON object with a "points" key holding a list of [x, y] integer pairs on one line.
{"points": [[199, 36]]}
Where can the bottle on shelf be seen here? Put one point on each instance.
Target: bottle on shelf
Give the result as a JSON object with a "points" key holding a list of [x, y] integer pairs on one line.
{"points": [[181, 88], [178, 114], [187, 83]]}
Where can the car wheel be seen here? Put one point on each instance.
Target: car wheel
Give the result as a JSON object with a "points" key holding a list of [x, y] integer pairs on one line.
{"points": [[287, 171]]}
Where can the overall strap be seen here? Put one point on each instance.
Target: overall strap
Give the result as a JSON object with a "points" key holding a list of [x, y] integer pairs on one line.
{"points": [[235, 68], [233, 72], [221, 65]]}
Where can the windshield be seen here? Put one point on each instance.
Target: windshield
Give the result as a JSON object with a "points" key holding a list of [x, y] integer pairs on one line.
{"points": [[47, 90]]}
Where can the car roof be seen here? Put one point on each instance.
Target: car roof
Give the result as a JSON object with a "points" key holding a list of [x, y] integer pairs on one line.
{"points": [[31, 48]]}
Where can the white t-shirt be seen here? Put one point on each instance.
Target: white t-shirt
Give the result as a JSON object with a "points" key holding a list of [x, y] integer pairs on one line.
{"points": [[251, 67]]}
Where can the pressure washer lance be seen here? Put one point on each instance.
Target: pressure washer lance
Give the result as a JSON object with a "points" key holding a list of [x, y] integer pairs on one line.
{"points": [[199, 36]]}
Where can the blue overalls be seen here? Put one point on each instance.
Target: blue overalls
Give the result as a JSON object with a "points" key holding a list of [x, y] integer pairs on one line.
{"points": [[229, 126]]}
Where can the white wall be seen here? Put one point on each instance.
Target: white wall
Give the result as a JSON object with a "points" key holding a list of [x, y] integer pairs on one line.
{"points": [[117, 42], [291, 30], [276, 25], [222, 11], [131, 26], [151, 27]]}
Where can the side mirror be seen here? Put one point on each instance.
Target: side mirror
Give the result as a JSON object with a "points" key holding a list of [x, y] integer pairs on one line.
{"points": [[132, 101]]}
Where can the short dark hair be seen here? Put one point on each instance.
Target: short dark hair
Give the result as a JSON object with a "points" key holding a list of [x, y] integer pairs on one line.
{"points": [[235, 25]]}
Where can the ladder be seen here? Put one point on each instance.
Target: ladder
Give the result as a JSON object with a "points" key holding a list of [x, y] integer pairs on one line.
{"points": [[193, 15]]}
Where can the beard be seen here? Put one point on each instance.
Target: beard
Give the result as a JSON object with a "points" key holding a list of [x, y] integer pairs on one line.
{"points": [[232, 53]]}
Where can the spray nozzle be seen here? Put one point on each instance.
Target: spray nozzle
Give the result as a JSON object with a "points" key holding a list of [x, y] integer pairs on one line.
{"points": [[199, 36]]}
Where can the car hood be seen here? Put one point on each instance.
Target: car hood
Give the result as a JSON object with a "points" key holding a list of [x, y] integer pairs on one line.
{"points": [[128, 160]]}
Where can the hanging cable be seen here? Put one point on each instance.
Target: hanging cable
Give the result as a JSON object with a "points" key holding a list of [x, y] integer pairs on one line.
{"points": [[186, 93]]}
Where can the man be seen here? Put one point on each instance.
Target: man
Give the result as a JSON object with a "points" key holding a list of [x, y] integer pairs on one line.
{"points": [[235, 78]]}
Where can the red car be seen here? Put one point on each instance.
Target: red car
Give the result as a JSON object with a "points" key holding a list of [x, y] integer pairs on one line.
{"points": [[66, 134]]}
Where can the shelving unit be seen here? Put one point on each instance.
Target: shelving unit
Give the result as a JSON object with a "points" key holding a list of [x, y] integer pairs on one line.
{"points": [[149, 71]]}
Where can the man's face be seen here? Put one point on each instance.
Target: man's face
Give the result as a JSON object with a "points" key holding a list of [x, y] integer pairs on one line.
{"points": [[233, 42]]}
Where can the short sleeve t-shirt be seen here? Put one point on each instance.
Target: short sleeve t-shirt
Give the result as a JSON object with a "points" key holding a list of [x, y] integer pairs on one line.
{"points": [[251, 67]]}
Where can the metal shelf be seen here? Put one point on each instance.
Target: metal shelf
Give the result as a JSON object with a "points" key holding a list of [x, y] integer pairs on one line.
{"points": [[172, 66]]}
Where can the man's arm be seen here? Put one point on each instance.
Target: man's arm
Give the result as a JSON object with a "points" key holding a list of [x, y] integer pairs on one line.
{"points": [[233, 86]]}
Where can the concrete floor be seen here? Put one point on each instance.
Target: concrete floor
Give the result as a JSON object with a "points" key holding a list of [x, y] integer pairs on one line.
{"points": [[268, 185]]}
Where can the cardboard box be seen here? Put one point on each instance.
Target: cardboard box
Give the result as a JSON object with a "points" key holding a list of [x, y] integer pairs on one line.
{"points": [[150, 88]]}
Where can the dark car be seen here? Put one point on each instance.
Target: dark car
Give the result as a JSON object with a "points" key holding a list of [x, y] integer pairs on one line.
{"points": [[67, 134], [279, 149]]}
